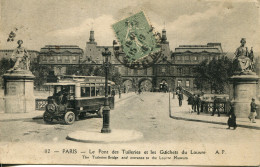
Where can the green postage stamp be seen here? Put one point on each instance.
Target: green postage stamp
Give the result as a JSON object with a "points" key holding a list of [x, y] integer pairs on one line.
{"points": [[136, 37]]}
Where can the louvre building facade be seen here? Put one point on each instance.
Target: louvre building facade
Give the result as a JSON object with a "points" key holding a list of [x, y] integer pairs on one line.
{"points": [[174, 68]]}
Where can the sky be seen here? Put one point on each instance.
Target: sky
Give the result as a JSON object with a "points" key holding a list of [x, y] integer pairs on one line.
{"points": [[187, 22]]}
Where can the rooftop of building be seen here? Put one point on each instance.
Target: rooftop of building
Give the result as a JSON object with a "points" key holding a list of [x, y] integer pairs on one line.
{"points": [[210, 47], [11, 50], [61, 49], [61, 46]]}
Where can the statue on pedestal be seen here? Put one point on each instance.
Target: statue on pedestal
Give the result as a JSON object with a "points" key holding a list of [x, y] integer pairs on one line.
{"points": [[18, 83], [21, 56], [244, 61], [244, 80]]}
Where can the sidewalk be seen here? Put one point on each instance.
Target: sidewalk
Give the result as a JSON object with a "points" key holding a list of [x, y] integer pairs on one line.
{"points": [[182, 113], [19, 116], [37, 114], [124, 96]]}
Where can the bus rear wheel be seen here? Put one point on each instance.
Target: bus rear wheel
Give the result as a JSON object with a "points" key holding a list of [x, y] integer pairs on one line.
{"points": [[69, 118]]}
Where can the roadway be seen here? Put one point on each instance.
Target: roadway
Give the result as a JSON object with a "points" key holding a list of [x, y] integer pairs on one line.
{"points": [[147, 113]]}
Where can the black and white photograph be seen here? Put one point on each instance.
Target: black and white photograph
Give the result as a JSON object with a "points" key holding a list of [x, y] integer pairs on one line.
{"points": [[120, 82]]}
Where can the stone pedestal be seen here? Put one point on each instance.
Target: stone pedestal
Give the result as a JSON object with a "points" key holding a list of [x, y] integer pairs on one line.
{"points": [[244, 89], [19, 96]]}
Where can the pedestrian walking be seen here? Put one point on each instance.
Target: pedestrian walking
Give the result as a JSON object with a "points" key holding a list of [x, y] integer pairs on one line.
{"points": [[194, 103], [215, 106], [198, 103], [252, 114], [124, 89], [177, 92], [139, 91], [113, 92], [180, 97], [119, 92], [232, 118], [190, 102]]}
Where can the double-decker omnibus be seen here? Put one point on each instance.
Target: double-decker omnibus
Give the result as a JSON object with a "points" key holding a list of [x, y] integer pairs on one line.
{"points": [[74, 96]]}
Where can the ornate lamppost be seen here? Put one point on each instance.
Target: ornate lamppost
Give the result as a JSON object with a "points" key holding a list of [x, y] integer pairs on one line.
{"points": [[106, 110]]}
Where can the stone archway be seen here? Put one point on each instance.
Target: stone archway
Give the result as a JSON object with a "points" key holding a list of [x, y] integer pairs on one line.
{"points": [[146, 85], [128, 85]]}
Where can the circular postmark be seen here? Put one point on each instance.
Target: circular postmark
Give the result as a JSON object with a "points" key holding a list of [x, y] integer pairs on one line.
{"points": [[137, 46]]}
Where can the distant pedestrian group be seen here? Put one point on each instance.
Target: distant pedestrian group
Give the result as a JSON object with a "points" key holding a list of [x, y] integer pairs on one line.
{"points": [[195, 102], [196, 105]]}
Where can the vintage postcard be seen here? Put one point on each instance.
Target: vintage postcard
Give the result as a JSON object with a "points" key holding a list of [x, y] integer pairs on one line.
{"points": [[120, 82]]}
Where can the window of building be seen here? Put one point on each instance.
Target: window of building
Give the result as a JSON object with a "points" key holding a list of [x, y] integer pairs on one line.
{"points": [[59, 58], [51, 58], [187, 84], [135, 71], [179, 83], [195, 58], [194, 86], [163, 69], [178, 57], [44, 58], [179, 71], [172, 70], [190, 70], [74, 58], [145, 71], [187, 58], [126, 70], [67, 59]]}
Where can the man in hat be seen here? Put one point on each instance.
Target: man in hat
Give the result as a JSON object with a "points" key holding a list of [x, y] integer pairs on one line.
{"points": [[197, 104], [215, 106], [252, 114], [180, 98]]}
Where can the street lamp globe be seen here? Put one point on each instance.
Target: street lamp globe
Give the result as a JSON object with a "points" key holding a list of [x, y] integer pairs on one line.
{"points": [[106, 56]]}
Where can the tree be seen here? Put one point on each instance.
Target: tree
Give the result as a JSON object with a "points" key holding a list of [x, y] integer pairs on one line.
{"points": [[201, 75], [113, 74], [214, 74], [5, 64], [40, 72]]}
